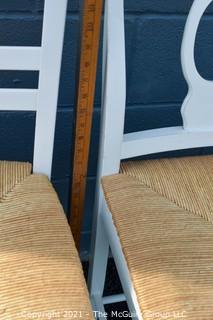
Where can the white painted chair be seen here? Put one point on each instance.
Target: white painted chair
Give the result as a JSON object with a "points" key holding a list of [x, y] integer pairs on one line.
{"points": [[155, 215], [40, 271]]}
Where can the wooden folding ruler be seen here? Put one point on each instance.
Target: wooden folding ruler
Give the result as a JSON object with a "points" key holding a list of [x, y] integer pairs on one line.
{"points": [[90, 33]]}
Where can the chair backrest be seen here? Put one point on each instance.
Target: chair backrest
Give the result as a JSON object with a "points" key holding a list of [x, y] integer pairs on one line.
{"points": [[197, 108], [47, 60]]}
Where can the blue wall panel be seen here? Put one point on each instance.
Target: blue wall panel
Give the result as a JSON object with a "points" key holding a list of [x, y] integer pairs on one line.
{"points": [[155, 84], [18, 6]]}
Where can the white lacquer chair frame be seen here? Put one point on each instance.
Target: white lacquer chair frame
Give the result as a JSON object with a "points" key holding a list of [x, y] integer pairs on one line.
{"points": [[197, 131], [47, 60]]}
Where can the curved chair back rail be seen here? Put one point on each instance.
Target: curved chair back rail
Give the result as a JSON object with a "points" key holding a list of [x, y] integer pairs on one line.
{"points": [[197, 108], [47, 60]]}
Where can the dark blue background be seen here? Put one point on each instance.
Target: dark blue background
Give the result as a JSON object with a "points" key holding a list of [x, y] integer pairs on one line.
{"points": [[155, 84]]}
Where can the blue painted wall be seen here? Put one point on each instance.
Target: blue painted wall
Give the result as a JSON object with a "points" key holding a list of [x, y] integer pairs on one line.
{"points": [[155, 84]]}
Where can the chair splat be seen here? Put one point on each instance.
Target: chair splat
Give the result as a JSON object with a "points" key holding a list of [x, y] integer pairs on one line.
{"points": [[197, 109]]}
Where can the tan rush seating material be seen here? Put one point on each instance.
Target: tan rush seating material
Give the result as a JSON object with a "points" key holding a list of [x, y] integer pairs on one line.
{"points": [[163, 212], [40, 272]]}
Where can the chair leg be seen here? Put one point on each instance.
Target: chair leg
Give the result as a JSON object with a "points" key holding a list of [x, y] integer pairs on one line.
{"points": [[97, 268], [121, 265]]}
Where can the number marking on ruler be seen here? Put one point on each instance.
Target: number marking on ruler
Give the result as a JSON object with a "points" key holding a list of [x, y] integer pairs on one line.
{"points": [[92, 11]]}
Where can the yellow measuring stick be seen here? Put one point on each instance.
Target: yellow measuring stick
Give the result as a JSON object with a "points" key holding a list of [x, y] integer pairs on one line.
{"points": [[90, 34]]}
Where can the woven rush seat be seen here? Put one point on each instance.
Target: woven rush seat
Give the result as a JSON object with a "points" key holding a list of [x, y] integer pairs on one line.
{"points": [[163, 213], [40, 272]]}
